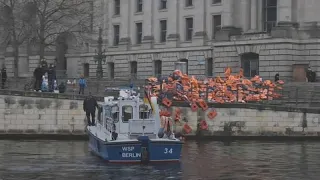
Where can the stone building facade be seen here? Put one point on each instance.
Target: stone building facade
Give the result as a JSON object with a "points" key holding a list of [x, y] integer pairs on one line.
{"points": [[265, 37], [146, 38]]}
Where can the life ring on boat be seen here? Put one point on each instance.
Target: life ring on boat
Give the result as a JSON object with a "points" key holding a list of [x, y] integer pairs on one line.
{"points": [[194, 107], [212, 114], [166, 102], [204, 125], [203, 105], [187, 129]]}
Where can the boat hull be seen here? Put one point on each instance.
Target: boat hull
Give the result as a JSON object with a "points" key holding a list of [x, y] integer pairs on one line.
{"points": [[140, 150]]}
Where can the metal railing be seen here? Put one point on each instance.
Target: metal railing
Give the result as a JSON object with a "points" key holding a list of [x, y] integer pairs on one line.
{"points": [[289, 96]]}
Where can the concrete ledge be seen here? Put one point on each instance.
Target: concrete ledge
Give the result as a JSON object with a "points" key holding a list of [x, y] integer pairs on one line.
{"points": [[253, 138], [258, 106], [61, 137], [84, 137]]}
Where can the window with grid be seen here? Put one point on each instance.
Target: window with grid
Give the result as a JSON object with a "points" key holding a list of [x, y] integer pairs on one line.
{"points": [[163, 30], [139, 33], [157, 68], [163, 4], [189, 3], [269, 14], [139, 5], [116, 7], [189, 29], [116, 35]]}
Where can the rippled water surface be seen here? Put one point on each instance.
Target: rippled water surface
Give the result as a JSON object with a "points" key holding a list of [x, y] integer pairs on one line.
{"points": [[63, 160]]}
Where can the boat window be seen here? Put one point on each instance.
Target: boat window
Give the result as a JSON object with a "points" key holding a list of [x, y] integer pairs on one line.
{"points": [[127, 113], [100, 114], [107, 110], [115, 113], [144, 111]]}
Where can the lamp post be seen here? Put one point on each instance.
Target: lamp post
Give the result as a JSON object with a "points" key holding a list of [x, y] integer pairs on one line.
{"points": [[100, 57]]}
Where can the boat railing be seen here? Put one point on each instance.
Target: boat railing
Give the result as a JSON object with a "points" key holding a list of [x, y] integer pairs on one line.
{"points": [[141, 126]]}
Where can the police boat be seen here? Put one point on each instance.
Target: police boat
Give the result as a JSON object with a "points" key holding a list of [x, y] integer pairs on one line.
{"points": [[127, 132]]}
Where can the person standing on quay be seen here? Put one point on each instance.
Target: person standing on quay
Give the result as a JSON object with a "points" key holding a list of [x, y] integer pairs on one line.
{"points": [[51, 77], [37, 73], [89, 106], [82, 84]]}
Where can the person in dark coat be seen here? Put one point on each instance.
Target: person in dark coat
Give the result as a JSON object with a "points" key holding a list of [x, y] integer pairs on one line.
{"points": [[38, 73], [89, 106], [276, 77], [62, 87], [309, 75], [51, 77], [3, 77]]}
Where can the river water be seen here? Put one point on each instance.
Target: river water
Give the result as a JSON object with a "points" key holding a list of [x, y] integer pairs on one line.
{"points": [[71, 160]]}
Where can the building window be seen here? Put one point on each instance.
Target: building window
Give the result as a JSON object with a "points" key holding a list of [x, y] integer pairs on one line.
{"points": [[139, 5], [185, 69], [189, 3], [116, 7], [189, 29], [163, 4], [86, 70], [216, 24], [209, 67], [139, 33], [116, 35], [111, 70], [216, 1], [250, 64], [269, 14], [163, 30], [157, 68], [133, 69]]}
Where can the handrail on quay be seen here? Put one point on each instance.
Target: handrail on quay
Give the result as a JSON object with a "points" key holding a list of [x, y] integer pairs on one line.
{"points": [[294, 97]]}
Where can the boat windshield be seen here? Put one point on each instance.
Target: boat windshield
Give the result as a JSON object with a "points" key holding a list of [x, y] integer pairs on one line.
{"points": [[144, 112], [127, 113]]}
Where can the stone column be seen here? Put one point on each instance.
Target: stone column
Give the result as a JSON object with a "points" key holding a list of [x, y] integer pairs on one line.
{"points": [[284, 11], [173, 34], [253, 16], [125, 25], [227, 13], [245, 15], [228, 29], [147, 24]]}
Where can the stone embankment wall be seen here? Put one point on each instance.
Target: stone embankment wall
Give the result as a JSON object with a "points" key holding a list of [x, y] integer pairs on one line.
{"points": [[29, 115], [251, 122], [40, 115]]}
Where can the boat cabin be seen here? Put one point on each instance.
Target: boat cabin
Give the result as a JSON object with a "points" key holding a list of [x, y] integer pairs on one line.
{"points": [[126, 118]]}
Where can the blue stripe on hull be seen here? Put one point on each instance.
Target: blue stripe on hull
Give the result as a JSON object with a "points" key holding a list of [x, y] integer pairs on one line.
{"points": [[131, 151]]}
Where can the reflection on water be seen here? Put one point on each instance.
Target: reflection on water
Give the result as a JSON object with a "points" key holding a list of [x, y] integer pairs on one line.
{"points": [[62, 160]]}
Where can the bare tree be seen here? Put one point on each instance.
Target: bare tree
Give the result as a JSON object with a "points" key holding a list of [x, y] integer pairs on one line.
{"points": [[58, 17], [16, 27]]}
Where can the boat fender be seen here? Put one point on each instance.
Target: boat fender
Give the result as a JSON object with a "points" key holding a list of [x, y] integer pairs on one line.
{"points": [[144, 148], [161, 133], [114, 136]]}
